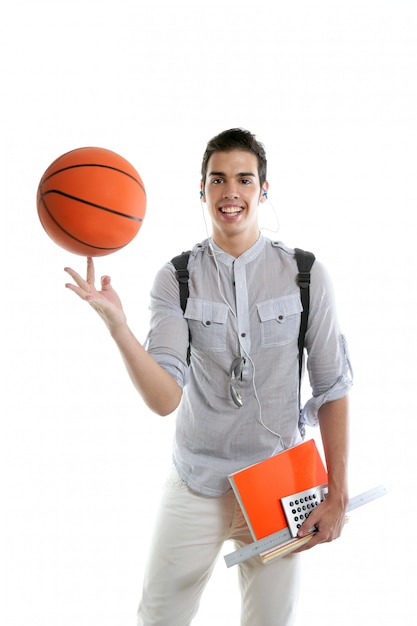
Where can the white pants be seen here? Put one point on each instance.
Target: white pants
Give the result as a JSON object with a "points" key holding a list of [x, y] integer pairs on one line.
{"points": [[188, 537]]}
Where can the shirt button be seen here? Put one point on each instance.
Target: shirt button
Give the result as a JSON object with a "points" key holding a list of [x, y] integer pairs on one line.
{"points": [[280, 317], [243, 335], [208, 323]]}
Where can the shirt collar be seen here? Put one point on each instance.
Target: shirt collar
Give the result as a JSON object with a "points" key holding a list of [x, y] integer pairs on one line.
{"points": [[248, 256]]}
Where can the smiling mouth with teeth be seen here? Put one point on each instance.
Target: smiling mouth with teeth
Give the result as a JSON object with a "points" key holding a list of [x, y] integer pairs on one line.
{"points": [[230, 210]]}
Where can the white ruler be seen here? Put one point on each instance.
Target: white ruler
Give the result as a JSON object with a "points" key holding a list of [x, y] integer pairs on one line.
{"points": [[281, 537]]}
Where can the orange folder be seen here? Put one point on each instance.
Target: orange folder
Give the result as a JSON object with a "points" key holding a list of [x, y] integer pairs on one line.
{"points": [[260, 487]]}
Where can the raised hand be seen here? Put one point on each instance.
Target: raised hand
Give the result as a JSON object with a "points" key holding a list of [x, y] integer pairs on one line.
{"points": [[105, 301]]}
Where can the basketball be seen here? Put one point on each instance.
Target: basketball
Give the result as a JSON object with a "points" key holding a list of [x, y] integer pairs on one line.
{"points": [[91, 201]]}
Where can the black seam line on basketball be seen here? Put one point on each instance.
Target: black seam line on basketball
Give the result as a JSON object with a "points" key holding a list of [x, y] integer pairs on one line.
{"points": [[97, 206], [71, 236], [109, 167]]}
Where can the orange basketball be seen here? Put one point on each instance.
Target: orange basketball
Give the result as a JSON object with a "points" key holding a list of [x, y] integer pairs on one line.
{"points": [[91, 201]]}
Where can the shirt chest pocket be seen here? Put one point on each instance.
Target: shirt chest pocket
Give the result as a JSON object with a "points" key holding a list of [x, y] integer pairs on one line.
{"points": [[207, 323], [280, 319]]}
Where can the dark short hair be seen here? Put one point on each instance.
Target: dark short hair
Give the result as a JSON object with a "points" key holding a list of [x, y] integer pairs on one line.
{"points": [[235, 139]]}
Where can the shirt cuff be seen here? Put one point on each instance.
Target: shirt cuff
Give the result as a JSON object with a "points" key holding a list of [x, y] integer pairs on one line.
{"points": [[310, 411], [173, 366]]}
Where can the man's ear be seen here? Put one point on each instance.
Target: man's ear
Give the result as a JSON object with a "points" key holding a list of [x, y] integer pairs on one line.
{"points": [[264, 192], [202, 192]]}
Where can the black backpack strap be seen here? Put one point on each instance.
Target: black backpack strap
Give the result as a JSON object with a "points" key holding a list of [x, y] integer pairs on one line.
{"points": [[180, 263], [305, 262]]}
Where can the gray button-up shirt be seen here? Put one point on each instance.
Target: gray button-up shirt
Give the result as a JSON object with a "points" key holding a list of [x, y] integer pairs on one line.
{"points": [[249, 307]]}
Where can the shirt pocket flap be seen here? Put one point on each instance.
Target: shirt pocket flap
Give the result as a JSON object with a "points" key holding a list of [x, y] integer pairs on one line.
{"points": [[206, 312], [280, 309]]}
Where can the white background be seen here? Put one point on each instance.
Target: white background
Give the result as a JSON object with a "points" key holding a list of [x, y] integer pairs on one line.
{"points": [[330, 88]]}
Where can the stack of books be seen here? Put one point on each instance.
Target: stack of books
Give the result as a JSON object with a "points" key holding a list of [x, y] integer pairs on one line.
{"points": [[260, 488]]}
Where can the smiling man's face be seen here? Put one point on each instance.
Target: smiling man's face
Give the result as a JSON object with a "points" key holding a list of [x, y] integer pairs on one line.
{"points": [[232, 193]]}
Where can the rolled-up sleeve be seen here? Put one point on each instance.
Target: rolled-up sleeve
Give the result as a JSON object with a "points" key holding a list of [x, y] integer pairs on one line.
{"points": [[328, 362], [309, 413], [168, 337]]}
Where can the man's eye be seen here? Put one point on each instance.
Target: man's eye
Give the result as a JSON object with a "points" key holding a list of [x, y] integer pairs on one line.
{"points": [[217, 181]]}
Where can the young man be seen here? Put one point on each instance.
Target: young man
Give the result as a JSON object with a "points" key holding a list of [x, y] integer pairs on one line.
{"points": [[238, 400]]}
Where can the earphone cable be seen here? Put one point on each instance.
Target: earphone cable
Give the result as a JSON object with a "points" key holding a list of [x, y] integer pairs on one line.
{"points": [[243, 350]]}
